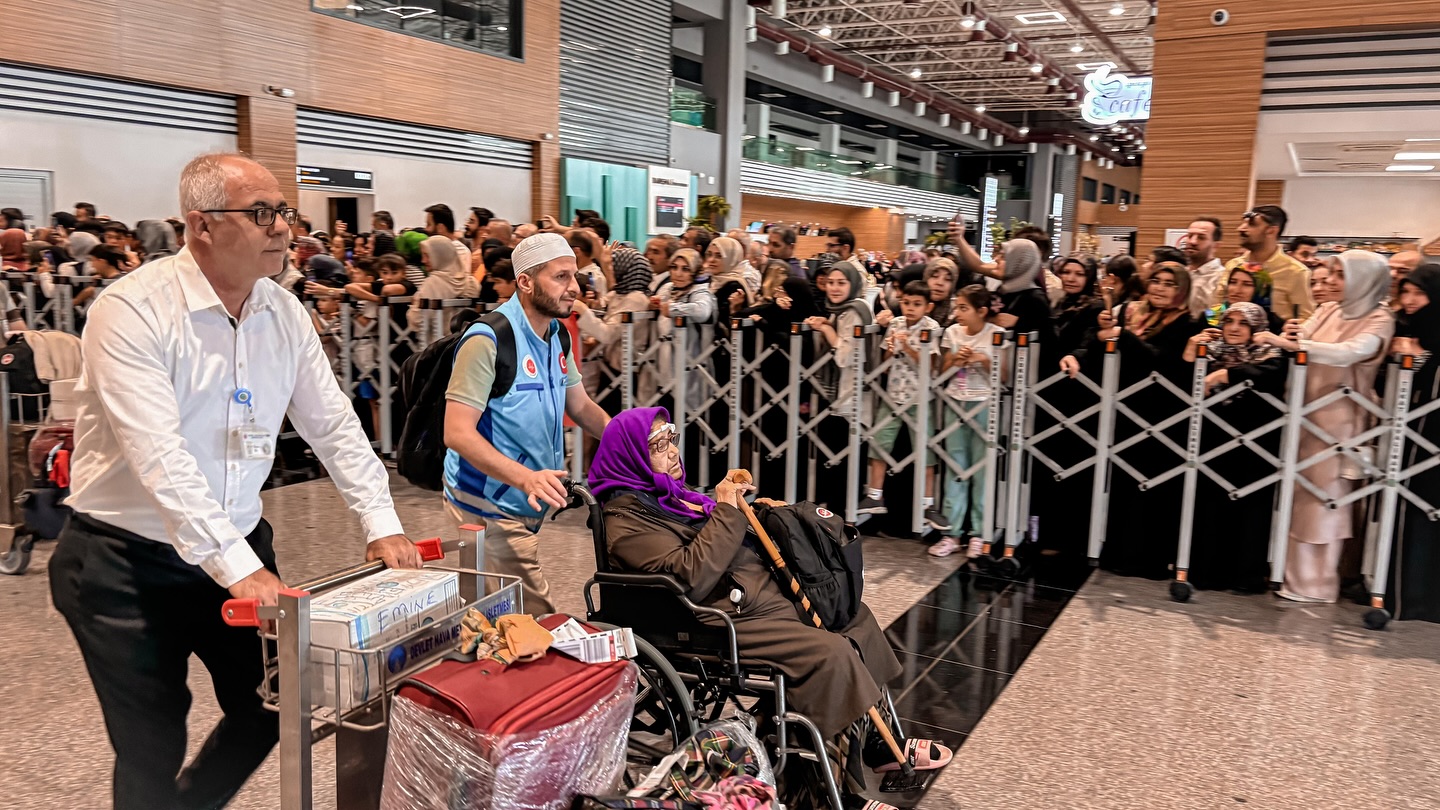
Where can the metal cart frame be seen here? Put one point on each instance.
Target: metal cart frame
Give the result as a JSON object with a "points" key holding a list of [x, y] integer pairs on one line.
{"points": [[16, 542], [360, 731]]}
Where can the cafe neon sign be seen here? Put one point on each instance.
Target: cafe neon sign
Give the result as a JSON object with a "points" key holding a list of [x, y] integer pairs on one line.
{"points": [[1114, 97]]}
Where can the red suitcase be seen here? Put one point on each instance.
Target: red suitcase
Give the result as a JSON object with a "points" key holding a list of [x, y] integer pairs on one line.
{"points": [[530, 735]]}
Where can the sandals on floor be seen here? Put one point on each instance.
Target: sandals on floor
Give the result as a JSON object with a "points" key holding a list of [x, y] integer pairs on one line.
{"points": [[924, 755]]}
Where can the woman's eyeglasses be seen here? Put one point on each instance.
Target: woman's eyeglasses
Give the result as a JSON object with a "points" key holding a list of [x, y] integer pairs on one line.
{"points": [[264, 215], [663, 438]]}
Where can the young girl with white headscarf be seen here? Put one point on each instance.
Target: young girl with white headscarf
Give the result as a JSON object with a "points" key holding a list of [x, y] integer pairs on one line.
{"points": [[1345, 342]]}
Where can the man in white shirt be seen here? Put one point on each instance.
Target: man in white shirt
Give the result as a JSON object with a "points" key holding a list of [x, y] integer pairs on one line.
{"points": [[191, 364], [1201, 241]]}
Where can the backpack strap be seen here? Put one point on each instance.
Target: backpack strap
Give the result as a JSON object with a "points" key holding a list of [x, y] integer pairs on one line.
{"points": [[504, 353]]}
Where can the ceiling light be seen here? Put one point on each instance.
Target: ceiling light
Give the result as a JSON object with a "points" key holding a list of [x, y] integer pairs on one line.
{"points": [[882, 165], [827, 73], [908, 135], [978, 35], [354, 7], [1417, 155], [967, 22], [772, 95], [1143, 147], [867, 89], [1037, 68], [408, 12], [804, 149], [1041, 17], [944, 119], [983, 134], [831, 112], [1410, 167], [1094, 137], [782, 47], [1023, 131], [920, 108], [1421, 140], [825, 31], [980, 108], [1012, 52], [1129, 157], [1117, 10], [1077, 48], [915, 73], [501, 28], [1114, 149], [850, 162], [876, 126]]}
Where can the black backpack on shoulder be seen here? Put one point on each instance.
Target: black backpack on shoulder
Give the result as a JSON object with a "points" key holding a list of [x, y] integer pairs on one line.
{"points": [[424, 377], [823, 553]]}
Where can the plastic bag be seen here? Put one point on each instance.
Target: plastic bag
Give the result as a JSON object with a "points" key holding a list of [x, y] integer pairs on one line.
{"points": [[720, 751], [437, 763]]}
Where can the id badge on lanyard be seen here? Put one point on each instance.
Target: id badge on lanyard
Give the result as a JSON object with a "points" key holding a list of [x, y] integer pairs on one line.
{"points": [[256, 443]]}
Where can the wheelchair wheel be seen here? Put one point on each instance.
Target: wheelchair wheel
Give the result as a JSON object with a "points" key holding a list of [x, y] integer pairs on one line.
{"points": [[664, 716]]}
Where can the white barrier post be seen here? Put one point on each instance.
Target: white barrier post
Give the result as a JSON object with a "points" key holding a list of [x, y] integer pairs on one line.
{"points": [[1289, 452], [1105, 436], [920, 445]]}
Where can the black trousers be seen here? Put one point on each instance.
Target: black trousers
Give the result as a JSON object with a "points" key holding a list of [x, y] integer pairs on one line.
{"points": [[138, 611]]}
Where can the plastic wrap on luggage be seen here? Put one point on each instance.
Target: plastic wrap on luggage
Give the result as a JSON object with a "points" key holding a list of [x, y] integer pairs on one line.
{"points": [[438, 763]]}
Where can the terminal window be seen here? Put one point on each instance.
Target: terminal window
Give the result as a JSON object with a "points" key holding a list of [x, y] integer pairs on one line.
{"points": [[489, 26]]}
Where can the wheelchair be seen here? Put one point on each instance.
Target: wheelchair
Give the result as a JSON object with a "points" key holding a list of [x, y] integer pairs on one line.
{"points": [[692, 673]]}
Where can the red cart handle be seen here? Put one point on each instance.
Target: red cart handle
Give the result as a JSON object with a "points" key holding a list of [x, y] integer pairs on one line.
{"points": [[241, 612], [430, 550]]}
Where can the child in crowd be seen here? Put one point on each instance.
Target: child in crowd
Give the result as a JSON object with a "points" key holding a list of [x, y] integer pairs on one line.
{"points": [[902, 341], [967, 344]]}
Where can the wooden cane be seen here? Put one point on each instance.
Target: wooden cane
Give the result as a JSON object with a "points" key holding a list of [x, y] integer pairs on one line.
{"points": [[779, 562]]}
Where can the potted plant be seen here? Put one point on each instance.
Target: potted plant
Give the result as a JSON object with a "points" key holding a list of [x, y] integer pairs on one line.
{"points": [[708, 210]]}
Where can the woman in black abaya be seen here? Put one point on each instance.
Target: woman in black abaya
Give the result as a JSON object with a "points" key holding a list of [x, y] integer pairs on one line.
{"points": [[1414, 591]]}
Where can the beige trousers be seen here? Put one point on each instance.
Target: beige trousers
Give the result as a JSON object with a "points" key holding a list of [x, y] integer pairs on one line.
{"points": [[513, 550]]}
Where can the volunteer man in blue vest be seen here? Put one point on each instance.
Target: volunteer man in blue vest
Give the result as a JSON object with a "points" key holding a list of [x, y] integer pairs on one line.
{"points": [[506, 455]]}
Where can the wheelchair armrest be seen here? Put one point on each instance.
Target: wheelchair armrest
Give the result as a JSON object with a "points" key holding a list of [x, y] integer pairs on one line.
{"points": [[649, 580]]}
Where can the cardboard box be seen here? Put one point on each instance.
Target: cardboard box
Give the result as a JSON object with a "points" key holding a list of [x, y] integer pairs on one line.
{"points": [[369, 614]]}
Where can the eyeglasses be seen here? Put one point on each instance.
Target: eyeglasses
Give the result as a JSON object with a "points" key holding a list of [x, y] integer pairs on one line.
{"points": [[663, 438], [1251, 216], [263, 215]]}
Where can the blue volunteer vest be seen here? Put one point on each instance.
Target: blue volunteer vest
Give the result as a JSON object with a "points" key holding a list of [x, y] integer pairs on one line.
{"points": [[526, 424]]}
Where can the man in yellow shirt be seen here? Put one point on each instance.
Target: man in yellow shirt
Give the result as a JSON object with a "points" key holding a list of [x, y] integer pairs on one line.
{"points": [[1260, 230]]}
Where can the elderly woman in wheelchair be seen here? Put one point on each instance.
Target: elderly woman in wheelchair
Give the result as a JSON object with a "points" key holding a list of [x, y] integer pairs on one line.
{"points": [[654, 523]]}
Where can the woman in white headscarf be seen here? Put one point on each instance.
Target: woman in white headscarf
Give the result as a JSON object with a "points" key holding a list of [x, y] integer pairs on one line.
{"points": [[1024, 306], [449, 279], [1345, 342]]}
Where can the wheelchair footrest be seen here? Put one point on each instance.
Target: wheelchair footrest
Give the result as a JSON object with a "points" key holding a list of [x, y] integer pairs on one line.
{"points": [[898, 782]]}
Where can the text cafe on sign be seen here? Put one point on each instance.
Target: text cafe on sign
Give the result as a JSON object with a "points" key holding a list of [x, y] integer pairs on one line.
{"points": [[1114, 97]]}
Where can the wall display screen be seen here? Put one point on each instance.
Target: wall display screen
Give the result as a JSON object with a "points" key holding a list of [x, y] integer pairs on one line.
{"points": [[988, 212], [320, 177]]}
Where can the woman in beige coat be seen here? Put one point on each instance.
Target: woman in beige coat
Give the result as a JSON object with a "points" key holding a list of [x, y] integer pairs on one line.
{"points": [[1345, 341]]}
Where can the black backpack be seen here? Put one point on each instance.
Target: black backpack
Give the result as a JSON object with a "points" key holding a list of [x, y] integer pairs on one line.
{"points": [[823, 553], [420, 456], [17, 362]]}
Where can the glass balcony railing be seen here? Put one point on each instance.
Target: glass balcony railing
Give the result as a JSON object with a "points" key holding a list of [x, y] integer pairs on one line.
{"points": [[783, 153], [692, 108]]}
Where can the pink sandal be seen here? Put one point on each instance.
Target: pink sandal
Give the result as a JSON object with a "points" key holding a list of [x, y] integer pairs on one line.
{"points": [[944, 548], [924, 755]]}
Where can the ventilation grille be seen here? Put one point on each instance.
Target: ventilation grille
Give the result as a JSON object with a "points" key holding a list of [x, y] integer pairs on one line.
{"points": [[340, 131], [35, 90], [615, 81], [1379, 71]]}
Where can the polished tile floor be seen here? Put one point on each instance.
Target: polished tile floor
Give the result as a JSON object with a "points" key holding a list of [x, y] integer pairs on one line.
{"points": [[1064, 689]]}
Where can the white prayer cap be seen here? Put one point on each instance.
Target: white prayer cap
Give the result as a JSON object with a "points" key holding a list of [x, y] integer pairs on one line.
{"points": [[536, 250]]}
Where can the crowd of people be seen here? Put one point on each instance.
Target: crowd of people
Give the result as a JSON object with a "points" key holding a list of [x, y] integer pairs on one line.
{"points": [[177, 422], [1347, 312]]}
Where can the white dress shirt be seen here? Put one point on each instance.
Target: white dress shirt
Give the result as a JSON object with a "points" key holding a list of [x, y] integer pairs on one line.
{"points": [[1203, 280], [158, 450]]}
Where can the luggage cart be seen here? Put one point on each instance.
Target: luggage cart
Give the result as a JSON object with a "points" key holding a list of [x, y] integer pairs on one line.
{"points": [[293, 663], [20, 416]]}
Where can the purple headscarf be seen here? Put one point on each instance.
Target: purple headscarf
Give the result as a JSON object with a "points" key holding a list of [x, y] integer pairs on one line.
{"points": [[623, 462]]}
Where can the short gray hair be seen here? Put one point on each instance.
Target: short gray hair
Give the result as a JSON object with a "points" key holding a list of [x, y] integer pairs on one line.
{"points": [[202, 182]]}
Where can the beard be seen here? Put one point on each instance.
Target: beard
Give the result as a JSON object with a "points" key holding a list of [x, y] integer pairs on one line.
{"points": [[550, 307]]}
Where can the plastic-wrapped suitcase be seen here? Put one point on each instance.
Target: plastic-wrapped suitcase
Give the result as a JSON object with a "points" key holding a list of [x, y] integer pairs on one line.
{"points": [[486, 736]]}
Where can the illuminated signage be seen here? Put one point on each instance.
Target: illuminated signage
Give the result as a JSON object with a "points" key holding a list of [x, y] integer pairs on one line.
{"points": [[347, 179], [988, 215], [1114, 97], [1057, 222]]}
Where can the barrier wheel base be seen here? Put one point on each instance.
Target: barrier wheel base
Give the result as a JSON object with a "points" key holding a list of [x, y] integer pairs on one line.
{"points": [[1006, 567], [17, 559], [1377, 618], [1181, 591]]}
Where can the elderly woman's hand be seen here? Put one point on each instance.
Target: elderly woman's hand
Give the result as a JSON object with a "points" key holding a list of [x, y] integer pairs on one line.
{"points": [[732, 490]]}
